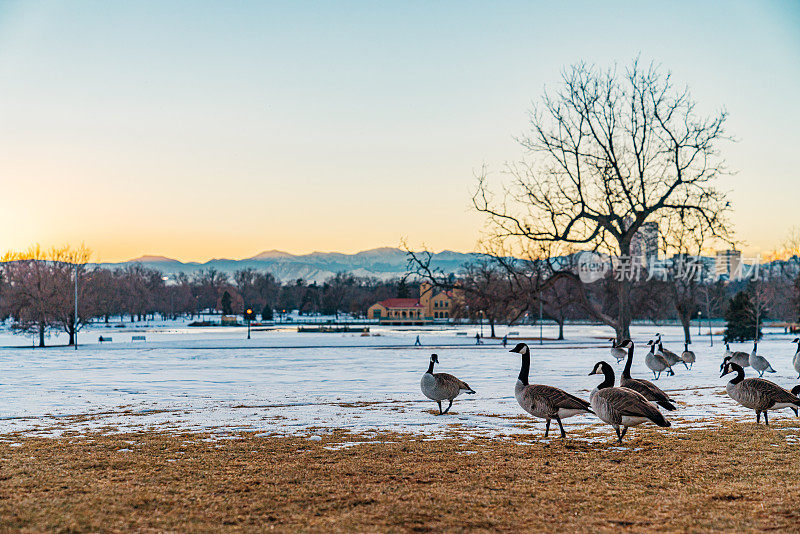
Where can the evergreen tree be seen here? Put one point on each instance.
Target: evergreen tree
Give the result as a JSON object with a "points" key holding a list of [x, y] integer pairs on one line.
{"points": [[402, 289], [266, 313], [226, 303], [740, 317]]}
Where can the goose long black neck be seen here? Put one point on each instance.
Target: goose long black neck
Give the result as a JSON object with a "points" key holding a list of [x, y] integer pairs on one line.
{"points": [[626, 373], [525, 369], [430, 367], [739, 373], [608, 378]]}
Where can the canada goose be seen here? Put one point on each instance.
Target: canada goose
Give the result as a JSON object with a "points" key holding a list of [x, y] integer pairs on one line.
{"points": [[668, 355], [656, 363], [740, 358], [796, 358], [441, 386], [545, 402], [759, 363], [621, 407], [687, 355], [616, 351], [756, 393], [646, 388]]}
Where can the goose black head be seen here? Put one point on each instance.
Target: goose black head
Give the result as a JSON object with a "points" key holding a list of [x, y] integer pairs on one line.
{"points": [[725, 360], [651, 342], [796, 340], [521, 348], [434, 358], [599, 368], [730, 367], [626, 344], [796, 391]]}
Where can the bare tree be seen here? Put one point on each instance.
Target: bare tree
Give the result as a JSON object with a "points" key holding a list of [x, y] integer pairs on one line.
{"points": [[610, 151]]}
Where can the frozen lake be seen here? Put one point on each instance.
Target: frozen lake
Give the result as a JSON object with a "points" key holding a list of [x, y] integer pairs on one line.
{"points": [[305, 383]]}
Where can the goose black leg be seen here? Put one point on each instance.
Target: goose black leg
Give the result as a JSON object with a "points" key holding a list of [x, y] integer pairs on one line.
{"points": [[654, 376], [619, 436], [624, 430], [758, 417], [684, 364], [547, 428], [440, 407], [766, 420], [448, 407], [563, 434]]}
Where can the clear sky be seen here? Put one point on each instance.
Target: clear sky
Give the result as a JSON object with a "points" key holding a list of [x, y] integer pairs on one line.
{"points": [[220, 129]]}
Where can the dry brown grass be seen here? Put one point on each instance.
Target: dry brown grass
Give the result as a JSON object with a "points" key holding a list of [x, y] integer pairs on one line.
{"points": [[735, 478]]}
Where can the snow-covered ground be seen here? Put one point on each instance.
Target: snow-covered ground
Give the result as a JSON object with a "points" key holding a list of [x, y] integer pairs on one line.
{"points": [[281, 381]]}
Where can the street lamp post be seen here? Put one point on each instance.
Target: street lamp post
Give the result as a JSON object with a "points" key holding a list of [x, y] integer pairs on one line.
{"points": [[481, 321], [699, 322], [75, 317], [249, 316]]}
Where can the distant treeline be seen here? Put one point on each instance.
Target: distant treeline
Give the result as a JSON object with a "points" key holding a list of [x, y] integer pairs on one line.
{"points": [[37, 294]]}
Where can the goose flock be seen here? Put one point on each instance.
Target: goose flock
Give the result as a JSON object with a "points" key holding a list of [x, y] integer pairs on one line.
{"points": [[635, 400]]}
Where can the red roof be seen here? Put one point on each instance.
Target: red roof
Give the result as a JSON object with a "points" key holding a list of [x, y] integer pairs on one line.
{"points": [[400, 303]]}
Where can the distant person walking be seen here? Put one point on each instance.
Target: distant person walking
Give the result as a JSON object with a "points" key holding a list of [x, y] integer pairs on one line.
{"points": [[478, 338], [505, 340], [417, 343]]}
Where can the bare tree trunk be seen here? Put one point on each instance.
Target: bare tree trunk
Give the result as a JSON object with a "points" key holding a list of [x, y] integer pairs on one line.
{"points": [[491, 326], [41, 334], [560, 322], [623, 327], [687, 323]]}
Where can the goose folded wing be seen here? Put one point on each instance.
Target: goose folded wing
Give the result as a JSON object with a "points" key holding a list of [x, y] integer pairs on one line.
{"points": [[559, 398], [773, 391], [654, 392], [629, 402]]}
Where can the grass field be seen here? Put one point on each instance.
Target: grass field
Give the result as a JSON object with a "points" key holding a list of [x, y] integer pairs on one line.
{"points": [[733, 477]]}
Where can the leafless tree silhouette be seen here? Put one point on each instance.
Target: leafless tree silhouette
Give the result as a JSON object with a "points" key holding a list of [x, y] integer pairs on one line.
{"points": [[607, 152]]}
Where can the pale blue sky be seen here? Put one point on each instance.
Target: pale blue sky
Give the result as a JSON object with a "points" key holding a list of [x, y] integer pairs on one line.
{"points": [[211, 129]]}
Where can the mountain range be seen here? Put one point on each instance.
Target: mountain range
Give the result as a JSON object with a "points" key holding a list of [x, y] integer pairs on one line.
{"points": [[384, 263]]}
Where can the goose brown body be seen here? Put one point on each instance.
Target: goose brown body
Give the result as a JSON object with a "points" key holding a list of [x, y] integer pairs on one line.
{"points": [[738, 357], [656, 362], [759, 363], [644, 387], [758, 394], [545, 402], [621, 407], [442, 386]]}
